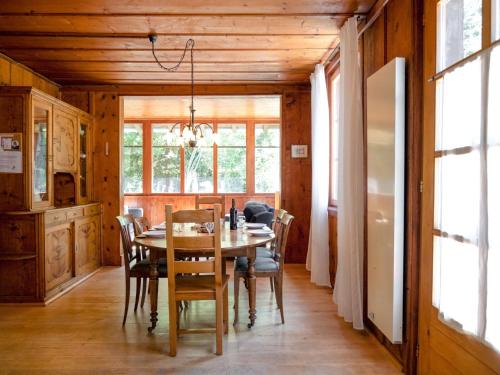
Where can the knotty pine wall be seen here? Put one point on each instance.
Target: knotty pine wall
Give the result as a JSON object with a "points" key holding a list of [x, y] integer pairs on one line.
{"points": [[15, 74], [397, 32], [105, 104]]}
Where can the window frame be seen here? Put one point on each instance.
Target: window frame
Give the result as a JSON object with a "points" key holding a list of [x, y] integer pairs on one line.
{"points": [[147, 165], [332, 72], [123, 146]]}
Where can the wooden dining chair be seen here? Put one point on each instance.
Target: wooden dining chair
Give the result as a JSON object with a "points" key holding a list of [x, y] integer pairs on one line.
{"points": [[268, 251], [195, 280], [266, 267], [136, 266], [210, 200], [142, 224]]}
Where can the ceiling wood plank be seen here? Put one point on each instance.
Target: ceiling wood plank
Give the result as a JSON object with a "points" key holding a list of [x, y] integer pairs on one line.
{"points": [[184, 76], [168, 43], [186, 6], [167, 57], [77, 66], [174, 24]]}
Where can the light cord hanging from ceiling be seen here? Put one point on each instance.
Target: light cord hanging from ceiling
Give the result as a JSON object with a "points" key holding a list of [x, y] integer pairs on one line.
{"points": [[190, 139]]}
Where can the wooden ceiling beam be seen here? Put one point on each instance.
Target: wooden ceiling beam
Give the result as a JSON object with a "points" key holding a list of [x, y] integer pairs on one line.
{"points": [[218, 56], [184, 6], [166, 43]]}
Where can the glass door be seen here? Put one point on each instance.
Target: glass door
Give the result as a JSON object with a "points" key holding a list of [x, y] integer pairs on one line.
{"points": [[84, 160], [41, 162]]}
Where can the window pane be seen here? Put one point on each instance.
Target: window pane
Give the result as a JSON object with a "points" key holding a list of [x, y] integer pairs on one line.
{"points": [[199, 169], [267, 158], [456, 197], [267, 135], [232, 170], [335, 136], [457, 275], [231, 158], [458, 104], [267, 170], [132, 158], [459, 30], [495, 13], [166, 159]]}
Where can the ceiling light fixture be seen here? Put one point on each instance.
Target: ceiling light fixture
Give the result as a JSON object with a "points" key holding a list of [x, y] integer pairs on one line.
{"points": [[192, 133]]}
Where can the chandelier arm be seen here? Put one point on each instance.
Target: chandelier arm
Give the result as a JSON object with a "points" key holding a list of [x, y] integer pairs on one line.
{"points": [[189, 45]]}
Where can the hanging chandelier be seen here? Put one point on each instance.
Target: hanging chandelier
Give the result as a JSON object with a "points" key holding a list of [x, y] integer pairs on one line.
{"points": [[192, 134]]}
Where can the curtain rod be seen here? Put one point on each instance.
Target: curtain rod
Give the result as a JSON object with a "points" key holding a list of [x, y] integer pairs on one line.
{"points": [[337, 48], [464, 61]]}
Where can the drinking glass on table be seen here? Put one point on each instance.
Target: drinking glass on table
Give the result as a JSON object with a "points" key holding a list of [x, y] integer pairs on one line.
{"points": [[210, 227]]}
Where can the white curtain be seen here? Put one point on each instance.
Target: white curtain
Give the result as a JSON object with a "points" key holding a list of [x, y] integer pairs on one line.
{"points": [[318, 252], [466, 275], [348, 292]]}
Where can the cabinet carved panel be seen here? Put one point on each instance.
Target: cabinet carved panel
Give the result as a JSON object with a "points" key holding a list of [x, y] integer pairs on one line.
{"points": [[58, 258], [64, 141], [87, 241]]}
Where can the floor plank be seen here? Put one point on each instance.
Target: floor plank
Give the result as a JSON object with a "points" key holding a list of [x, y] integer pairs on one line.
{"points": [[81, 333]]}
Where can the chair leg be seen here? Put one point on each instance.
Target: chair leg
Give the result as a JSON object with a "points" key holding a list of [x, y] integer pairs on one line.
{"points": [[127, 298], [236, 296], [172, 324], [137, 292], [278, 286], [219, 320], [271, 281], [179, 309], [226, 310], [144, 287]]}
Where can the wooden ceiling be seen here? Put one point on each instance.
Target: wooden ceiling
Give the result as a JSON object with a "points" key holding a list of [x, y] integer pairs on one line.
{"points": [[236, 41]]}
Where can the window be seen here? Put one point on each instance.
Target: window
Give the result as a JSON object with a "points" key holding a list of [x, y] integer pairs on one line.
{"points": [[156, 162], [495, 15], [132, 158], [231, 158], [166, 159], [466, 275], [335, 115], [267, 158], [459, 30]]}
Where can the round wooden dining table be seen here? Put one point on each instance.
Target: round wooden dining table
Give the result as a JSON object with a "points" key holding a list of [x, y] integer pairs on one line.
{"points": [[233, 243]]}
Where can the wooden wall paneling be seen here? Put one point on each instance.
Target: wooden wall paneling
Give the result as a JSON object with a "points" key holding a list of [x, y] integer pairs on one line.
{"points": [[397, 33], [106, 171], [13, 112], [15, 74], [296, 173]]}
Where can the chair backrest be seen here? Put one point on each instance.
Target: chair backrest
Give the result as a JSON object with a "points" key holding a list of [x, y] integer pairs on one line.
{"points": [[281, 238], [127, 232], [210, 200], [141, 224], [187, 242], [277, 226]]}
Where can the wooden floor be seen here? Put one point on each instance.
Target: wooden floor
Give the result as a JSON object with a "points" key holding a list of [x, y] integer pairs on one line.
{"points": [[81, 333]]}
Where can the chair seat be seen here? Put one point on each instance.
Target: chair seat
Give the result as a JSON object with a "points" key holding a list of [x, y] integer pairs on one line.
{"points": [[264, 252], [188, 286], [261, 265], [141, 268]]}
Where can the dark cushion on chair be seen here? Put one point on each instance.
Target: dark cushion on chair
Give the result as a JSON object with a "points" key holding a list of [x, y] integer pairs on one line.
{"points": [[264, 252], [251, 210], [263, 217], [261, 265], [142, 267]]}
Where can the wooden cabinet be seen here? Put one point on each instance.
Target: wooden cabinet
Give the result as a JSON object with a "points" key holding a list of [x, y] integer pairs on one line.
{"points": [[46, 253], [56, 149], [58, 255], [65, 140]]}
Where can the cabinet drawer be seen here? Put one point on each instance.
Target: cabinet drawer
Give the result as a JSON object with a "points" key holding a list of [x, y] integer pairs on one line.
{"points": [[91, 210], [75, 212], [55, 217]]}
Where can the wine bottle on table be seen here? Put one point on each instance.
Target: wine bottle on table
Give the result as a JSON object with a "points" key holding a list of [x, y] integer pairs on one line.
{"points": [[233, 216]]}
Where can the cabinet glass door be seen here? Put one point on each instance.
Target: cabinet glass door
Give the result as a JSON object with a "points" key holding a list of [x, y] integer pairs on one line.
{"points": [[84, 143], [40, 154]]}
